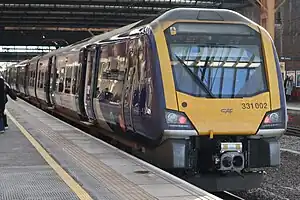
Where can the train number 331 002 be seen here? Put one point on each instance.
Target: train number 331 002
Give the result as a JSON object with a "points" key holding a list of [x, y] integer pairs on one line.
{"points": [[254, 105]]}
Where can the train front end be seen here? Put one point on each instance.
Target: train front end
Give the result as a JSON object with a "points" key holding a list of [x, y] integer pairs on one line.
{"points": [[225, 105]]}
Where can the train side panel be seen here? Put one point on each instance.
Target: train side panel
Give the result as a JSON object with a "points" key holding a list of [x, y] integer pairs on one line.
{"points": [[125, 96], [32, 78], [22, 79], [41, 80], [68, 76], [60, 75]]}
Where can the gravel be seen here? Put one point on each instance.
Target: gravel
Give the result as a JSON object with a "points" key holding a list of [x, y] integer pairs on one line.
{"points": [[282, 182], [294, 118]]}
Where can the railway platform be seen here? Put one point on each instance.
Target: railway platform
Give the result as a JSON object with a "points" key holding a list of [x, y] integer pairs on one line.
{"points": [[294, 114], [43, 157], [293, 106]]}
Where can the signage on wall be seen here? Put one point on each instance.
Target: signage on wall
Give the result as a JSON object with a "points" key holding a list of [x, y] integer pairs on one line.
{"points": [[285, 58], [293, 75], [282, 66], [297, 78]]}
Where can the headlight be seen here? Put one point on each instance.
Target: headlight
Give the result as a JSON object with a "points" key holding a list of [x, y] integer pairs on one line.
{"points": [[177, 120], [274, 119]]}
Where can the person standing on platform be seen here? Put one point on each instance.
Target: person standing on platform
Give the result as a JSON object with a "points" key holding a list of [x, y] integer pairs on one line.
{"points": [[2, 103], [288, 84], [3, 100]]}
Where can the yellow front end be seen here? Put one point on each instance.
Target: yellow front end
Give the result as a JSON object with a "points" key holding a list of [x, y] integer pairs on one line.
{"points": [[218, 114], [225, 116], [224, 99]]}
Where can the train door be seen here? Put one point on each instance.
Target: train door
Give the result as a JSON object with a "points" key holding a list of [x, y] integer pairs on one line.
{"points": [[79, 96], [13, 82], [48, 82], [140, 96], [22, 80], [52, 80], [18, 79], [88, 86], [26, 80], [36, 79], [128, 83]]}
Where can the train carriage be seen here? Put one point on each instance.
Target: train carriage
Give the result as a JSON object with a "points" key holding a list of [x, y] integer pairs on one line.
{"points": [[199, 89]]}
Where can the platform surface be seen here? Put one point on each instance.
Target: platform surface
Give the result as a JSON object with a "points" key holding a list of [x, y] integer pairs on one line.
{"points": [[293, 106], [82, 167], [24, 174]]}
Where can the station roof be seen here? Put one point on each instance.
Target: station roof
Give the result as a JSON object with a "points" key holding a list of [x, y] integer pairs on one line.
{"points": [[100, 15], [62, 22], [89, 15]]}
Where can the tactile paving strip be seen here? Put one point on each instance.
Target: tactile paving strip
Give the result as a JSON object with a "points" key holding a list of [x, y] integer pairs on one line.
{"points": [[34, 182], [24, 174], [110, 181], [16, 150]]}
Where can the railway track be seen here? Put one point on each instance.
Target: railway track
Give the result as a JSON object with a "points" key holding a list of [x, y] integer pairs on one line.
{"points": [[293, 131], [227, 196]]}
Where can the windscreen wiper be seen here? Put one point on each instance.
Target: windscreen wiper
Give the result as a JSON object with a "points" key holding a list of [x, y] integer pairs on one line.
{"points": [[195, 77]]}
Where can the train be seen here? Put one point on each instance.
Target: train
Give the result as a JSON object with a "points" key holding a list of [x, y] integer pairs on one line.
{"points": [[196, 91]]}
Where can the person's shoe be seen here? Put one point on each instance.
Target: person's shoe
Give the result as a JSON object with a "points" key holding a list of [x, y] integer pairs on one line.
{"points": [[1, 132], [6, 127]]}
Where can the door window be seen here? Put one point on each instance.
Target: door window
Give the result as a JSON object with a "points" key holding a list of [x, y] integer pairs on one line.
{"points": [[111, 72]]}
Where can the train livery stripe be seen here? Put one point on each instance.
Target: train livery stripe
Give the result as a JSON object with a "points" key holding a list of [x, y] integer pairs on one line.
{"points": [[77, 189], [166, 70], [281, 87], [271, 71]]}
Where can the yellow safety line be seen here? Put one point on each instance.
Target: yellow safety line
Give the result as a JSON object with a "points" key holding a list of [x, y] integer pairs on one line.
{"points": [[77, 189]]}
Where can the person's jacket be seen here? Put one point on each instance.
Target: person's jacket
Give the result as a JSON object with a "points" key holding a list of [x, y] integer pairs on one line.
{"points": [[8, 91]]}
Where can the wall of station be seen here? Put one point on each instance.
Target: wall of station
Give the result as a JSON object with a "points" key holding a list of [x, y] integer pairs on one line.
{"points": [[287, 39]]}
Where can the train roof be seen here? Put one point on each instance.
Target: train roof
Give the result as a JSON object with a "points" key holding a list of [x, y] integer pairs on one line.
{"points": [[169, 15], [172, 14], [23, 62], [205, 14], [94, 39]]}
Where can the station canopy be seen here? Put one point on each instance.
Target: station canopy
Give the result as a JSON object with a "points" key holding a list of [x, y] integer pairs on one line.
{"points": [[63, 22], [99, 15]]}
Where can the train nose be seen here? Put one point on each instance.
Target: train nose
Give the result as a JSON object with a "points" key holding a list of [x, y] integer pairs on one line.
{"points": [[231, 161], [237, 161], [227, 161]]}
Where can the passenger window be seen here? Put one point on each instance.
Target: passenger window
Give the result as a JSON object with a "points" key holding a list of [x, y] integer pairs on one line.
{"points": [[60, 79], [42, 79], [74, 79], [38, 79], [53, 78], [68, 80], [131, 63], [103, 65], [145, 86], [148, 76], [90, 62], [78, 78], [21, 76], [111, 72], [32, 77]]}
